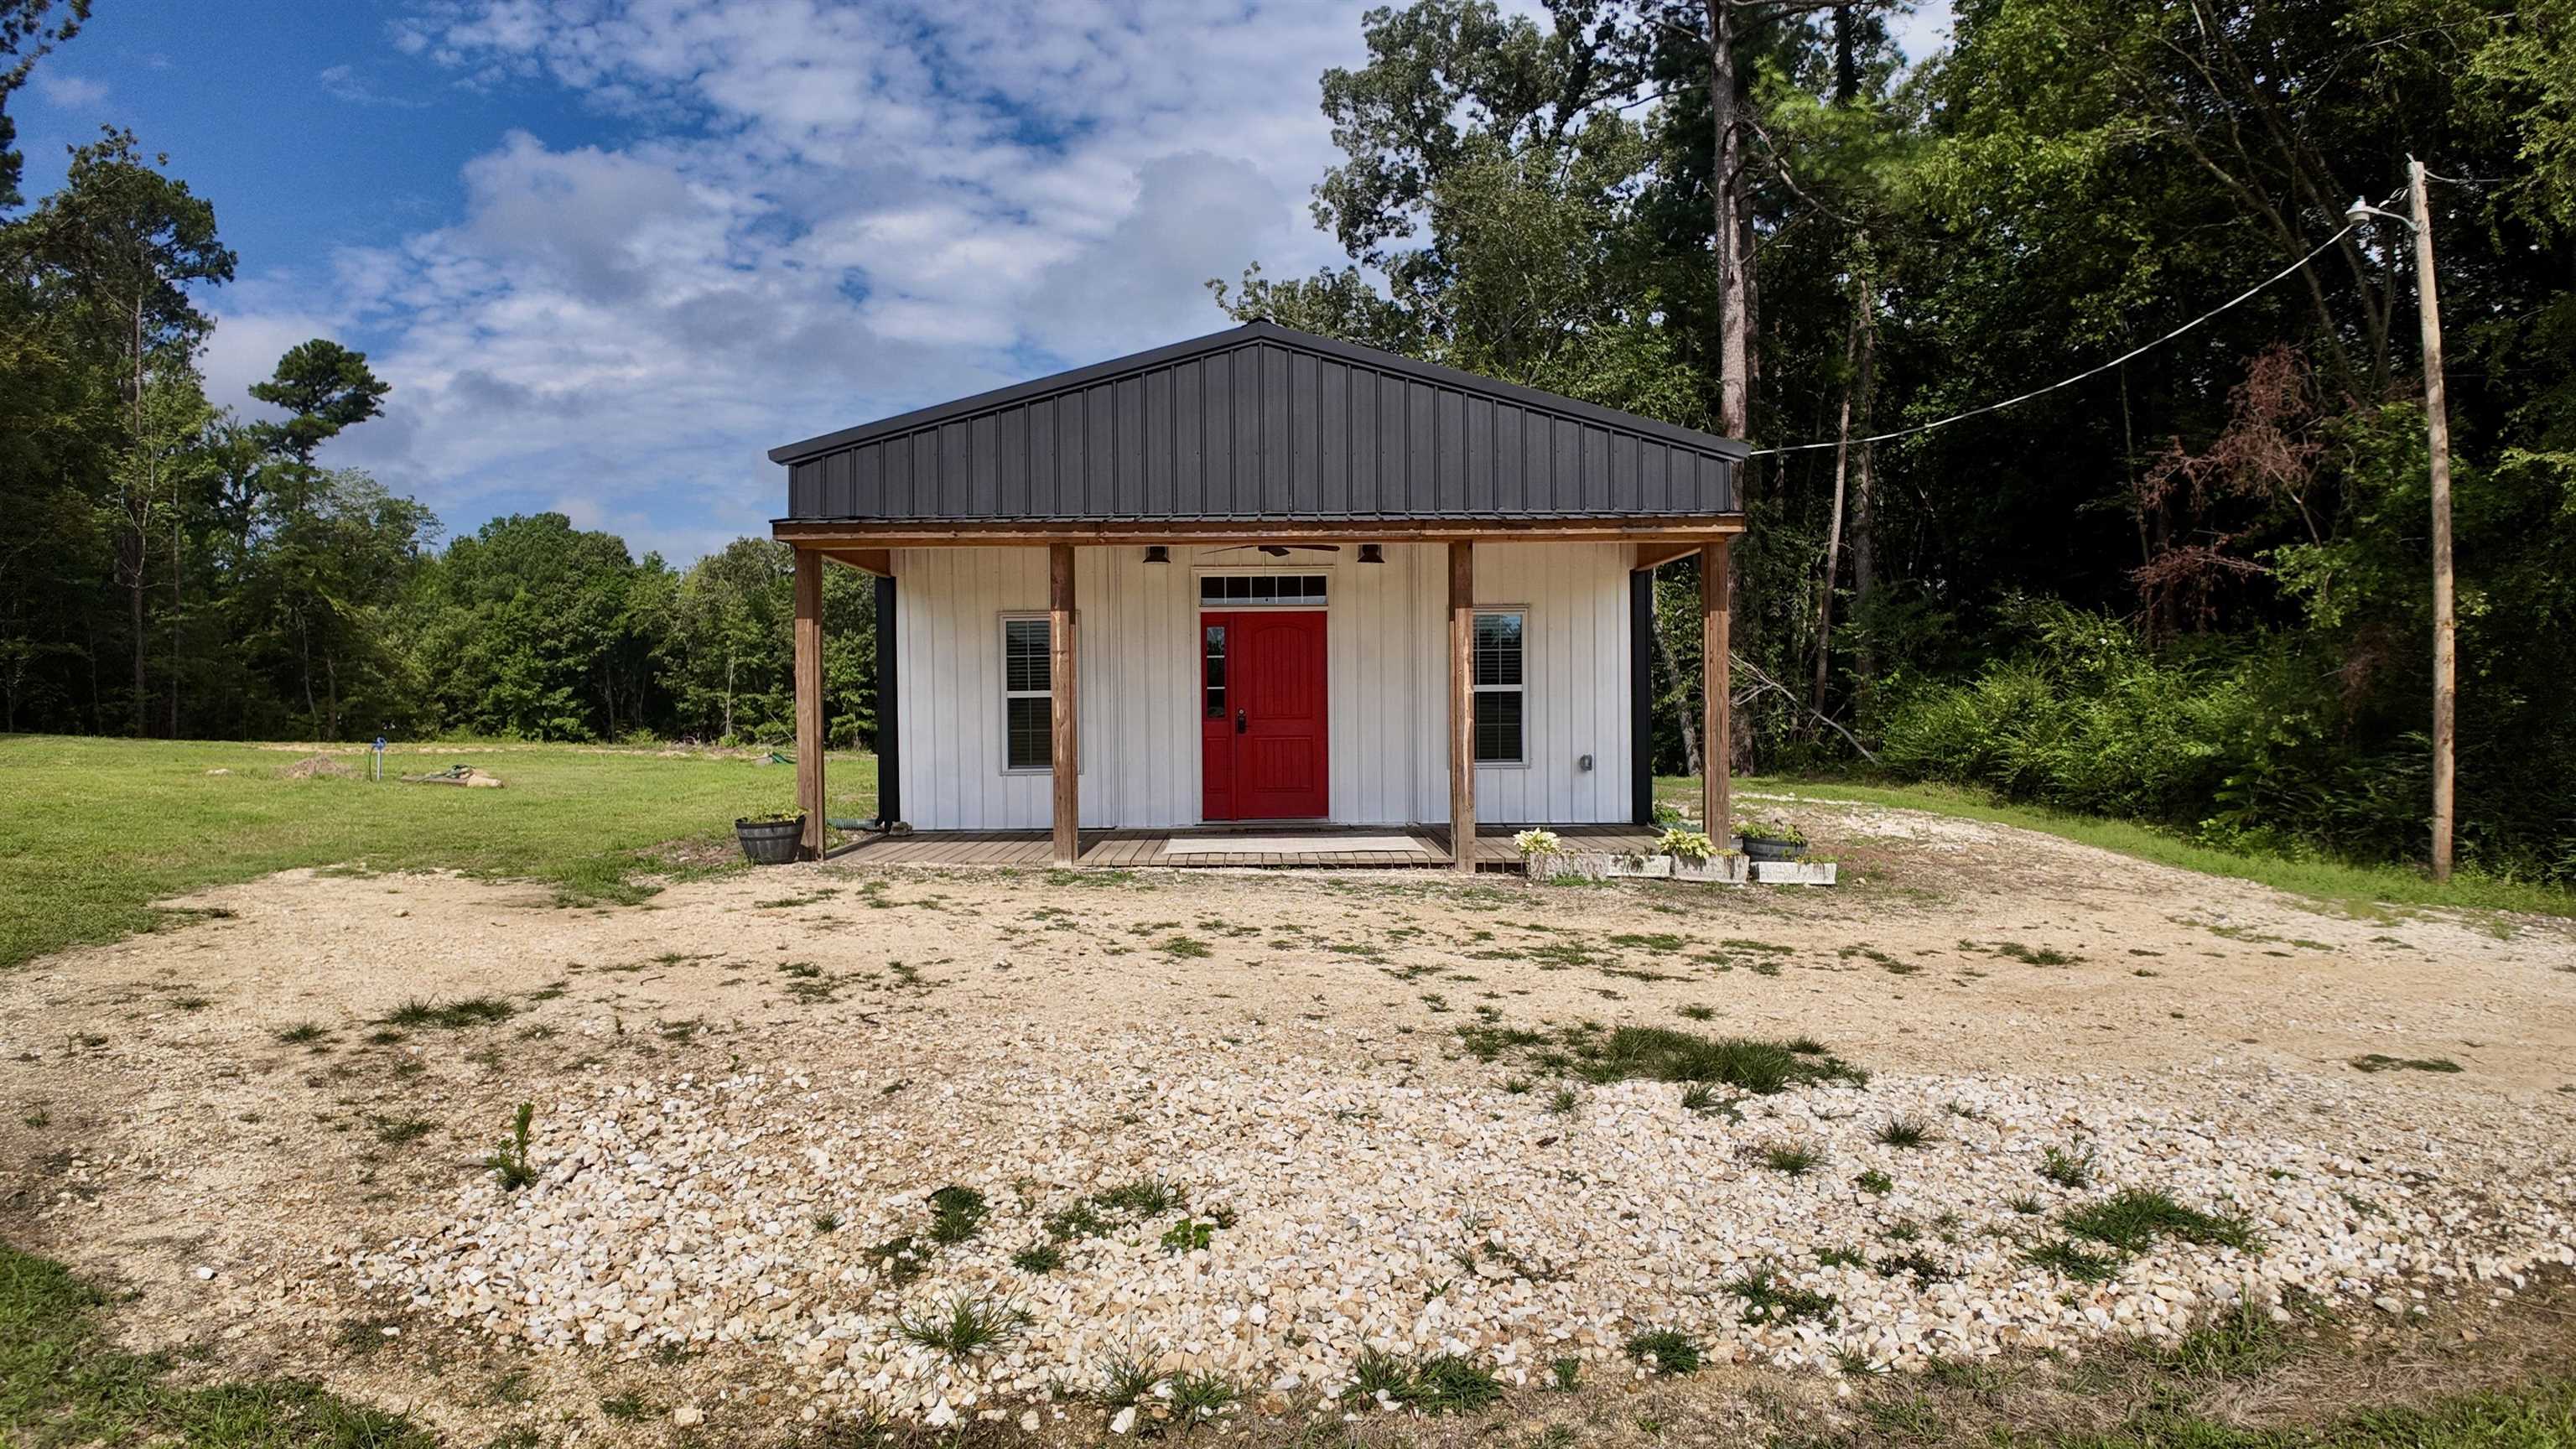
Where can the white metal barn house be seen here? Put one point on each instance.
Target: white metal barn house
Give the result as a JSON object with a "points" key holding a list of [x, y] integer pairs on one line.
{"points": [[1261, 588]]}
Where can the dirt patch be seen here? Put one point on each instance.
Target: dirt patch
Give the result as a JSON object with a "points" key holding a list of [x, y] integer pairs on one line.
{"points": [[273, 1124], [316, 767]]}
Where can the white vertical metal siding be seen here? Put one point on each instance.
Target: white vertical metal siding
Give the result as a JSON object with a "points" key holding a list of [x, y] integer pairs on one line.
{"points": [[1386, 673]]}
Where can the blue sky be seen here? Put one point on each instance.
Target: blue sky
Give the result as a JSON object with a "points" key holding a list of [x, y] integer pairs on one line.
{"points": [[608, 251]]}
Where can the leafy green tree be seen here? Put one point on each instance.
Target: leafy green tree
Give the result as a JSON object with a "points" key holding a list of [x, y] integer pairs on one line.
{"points": [[122, 243], [325, 388]]}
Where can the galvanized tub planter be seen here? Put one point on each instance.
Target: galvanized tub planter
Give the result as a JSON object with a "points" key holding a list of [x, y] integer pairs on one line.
{"points": [[770, 842]]}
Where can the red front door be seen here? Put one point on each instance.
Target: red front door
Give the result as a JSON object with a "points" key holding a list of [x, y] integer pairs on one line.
{"points": [[1261, 711]]}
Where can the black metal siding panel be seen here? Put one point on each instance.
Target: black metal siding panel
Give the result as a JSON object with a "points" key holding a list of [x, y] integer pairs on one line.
{"points": [[1332, 438], [1216, 412], [1265, 429], [1128, 447]]}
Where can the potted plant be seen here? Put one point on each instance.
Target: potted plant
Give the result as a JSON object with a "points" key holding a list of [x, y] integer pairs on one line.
{"points": [[1696, 857], [772, 838], [1541, 853], [1773, 839]]}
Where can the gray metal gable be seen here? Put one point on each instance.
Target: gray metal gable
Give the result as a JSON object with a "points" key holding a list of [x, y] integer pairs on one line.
{"points": [[1260, 423]]}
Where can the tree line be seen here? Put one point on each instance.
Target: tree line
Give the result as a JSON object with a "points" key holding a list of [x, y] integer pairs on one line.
{"points": [[171, 568], [2192, 590]]}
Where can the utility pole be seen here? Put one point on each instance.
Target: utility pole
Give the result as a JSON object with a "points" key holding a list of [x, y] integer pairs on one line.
{"points": [[2437, 426], [2437, 422]]}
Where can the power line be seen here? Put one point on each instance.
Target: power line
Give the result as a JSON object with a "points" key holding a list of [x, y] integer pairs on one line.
{"points": [[2240, 297]]}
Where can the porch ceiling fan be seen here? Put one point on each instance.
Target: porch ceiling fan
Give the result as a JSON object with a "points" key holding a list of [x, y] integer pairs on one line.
{"points": [[1282, 550]]}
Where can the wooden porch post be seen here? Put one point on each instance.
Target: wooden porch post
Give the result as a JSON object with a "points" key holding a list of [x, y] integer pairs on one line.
{"points": [[1462, 705], [1062, 696], [1716, 693], [809, 698]]}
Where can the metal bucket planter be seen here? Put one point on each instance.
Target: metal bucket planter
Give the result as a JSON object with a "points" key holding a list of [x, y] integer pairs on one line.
{"points": [[1755, 849], [770, 842]]}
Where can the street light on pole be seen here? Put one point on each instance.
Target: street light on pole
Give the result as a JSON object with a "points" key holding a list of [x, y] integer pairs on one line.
{"points": [[2437, 425]]}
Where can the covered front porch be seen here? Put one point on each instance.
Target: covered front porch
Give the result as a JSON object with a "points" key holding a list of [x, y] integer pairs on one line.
{"points": [[1424, 847]]}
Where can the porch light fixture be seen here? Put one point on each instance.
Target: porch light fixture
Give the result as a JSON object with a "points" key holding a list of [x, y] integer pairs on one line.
{"points": [[1373, 553], [1157, 553]]}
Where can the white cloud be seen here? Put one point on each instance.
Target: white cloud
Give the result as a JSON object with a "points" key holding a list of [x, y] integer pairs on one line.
{"points": [[342, 82], [832, 213], [70, 92]]}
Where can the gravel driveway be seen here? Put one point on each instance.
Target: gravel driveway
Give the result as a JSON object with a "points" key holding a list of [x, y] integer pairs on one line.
{"points": [[1305, 1139]]}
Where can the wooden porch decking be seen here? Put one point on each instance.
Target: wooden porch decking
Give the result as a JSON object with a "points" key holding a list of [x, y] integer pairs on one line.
{"points": [[1128, 849]]}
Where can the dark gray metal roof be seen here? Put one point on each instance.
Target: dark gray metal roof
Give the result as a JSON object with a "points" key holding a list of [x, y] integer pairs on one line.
{"points": [[1255, 423]]}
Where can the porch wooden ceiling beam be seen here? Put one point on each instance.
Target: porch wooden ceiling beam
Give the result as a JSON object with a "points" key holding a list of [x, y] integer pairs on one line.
{"points": [[876, 561], [1651, 554], [859, 536]]}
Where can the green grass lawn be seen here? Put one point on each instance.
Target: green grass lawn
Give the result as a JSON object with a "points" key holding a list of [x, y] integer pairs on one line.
{"points": [[63, 1382], [2346, 883], [93, 831]]}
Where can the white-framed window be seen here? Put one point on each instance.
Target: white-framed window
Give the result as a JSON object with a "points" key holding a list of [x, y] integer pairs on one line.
{"points": [[1502, 691], [1028, 683]]}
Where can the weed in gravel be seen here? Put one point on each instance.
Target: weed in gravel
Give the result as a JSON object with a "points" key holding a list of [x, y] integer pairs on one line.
{"points": [[2375, 1062], [1699, 1097], [2133, 1218], [1563, 1103], [1915, 1264], [303, 1032], [1875, 1181], [1184, 947], [1841, 1258], [1789, 1159], [1075, 1222], [1666, 1351], [402, 1131], [827, 1222], [1697, 1013], [1565, 1374], [1744, 1063], [899, 1260], [509, 1160], [1127, 1381], [1146, 1197], [1903, 1132], [957, 1214], [1452, 1384], [965, 1325], [1038, 1258], [451, 1015], [2026, 1205], [1769, 1300], [2066, 1259], [1188, 1236], [1198, 1397], [2068, 1170], [629, 1407], [1517, 1085]]}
